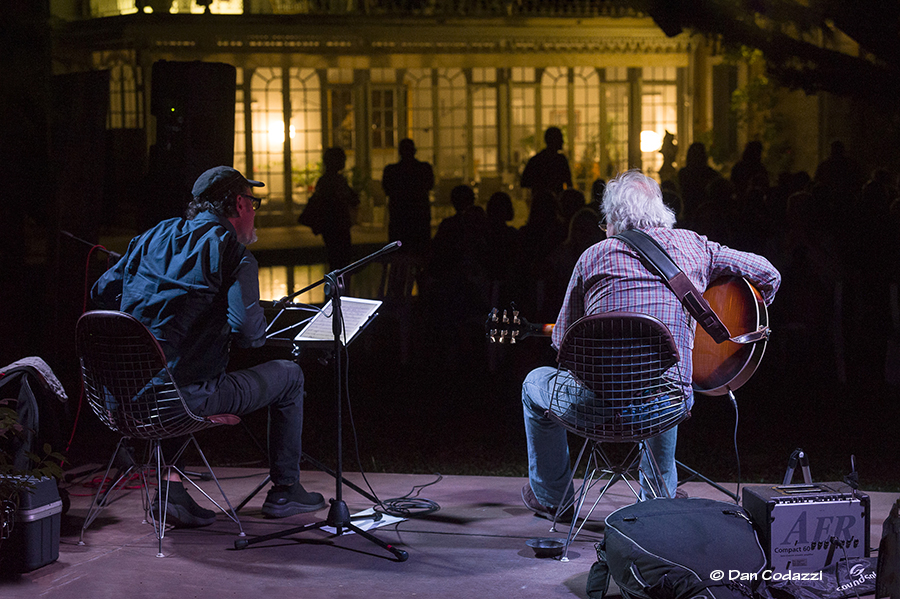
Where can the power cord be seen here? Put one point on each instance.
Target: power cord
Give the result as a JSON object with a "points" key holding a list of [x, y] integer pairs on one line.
{"points": [[737, 455], [407, 506], [87, 271], [411, 505]]}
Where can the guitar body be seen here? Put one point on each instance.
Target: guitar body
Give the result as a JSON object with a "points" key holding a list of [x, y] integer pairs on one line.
{"points": [[720, 367]]}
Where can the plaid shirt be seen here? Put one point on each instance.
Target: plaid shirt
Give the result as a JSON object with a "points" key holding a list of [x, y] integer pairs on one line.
{"points": [[609, 277]]}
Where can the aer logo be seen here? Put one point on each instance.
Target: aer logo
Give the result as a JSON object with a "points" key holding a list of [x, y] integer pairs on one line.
{"points": [[825, 528]]}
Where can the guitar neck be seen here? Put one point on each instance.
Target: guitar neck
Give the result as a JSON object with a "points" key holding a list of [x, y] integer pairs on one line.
{"points": [[539, 330], [508, 327]]}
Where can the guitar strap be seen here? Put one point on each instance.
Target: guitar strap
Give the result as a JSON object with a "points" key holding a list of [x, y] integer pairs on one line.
{"points": [[658, 260]]}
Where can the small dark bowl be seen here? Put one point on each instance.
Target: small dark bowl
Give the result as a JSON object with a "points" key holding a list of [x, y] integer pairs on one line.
{"points": [[545, 547]]}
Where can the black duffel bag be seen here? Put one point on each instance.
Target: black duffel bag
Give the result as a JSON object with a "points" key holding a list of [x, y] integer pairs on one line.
{"points": [[679, 548]]}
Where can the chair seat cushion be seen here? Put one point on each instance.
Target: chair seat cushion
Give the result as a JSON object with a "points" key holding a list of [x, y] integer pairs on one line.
{"points": [[229, 419]]}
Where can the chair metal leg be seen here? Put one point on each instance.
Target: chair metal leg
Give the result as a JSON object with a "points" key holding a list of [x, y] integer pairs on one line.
{"points": [[230, 512], [600, 467], [654, 480], [163, 471], [99, 502], [158, 521]]}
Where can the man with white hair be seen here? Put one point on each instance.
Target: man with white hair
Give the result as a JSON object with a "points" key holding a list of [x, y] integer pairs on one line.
{"points": [[609, 277]]}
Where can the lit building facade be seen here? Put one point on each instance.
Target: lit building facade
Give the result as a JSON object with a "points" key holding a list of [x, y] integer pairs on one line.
{"points": [[473, 83]]}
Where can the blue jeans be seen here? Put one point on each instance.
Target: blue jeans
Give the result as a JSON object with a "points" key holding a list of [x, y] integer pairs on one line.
{"points": [[549, 468], [278, 385]]}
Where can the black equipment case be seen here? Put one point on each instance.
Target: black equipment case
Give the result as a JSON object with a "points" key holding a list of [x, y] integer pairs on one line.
{"points": [[680, 548], [34, 539]]}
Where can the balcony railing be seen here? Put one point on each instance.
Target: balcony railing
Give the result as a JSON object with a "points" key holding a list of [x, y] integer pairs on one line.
{"points": [[396, 8]]}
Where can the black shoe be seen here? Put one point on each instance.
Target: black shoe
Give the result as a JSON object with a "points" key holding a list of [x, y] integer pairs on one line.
{"points": [[181, 510], [539, 509], [282, 501]]}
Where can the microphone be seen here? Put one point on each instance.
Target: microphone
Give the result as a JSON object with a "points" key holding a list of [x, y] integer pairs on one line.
{"points": [[96, 246]]}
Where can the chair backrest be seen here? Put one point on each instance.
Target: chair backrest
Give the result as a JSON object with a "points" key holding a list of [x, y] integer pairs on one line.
{"points": [[621, 380], [126, 380]]}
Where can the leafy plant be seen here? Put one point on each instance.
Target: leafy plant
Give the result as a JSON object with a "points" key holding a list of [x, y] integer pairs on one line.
{"points": [[755, 106], [305, 177], [15, 480]]}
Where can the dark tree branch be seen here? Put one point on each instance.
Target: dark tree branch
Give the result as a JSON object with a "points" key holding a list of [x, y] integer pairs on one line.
{"points": [[794, 38]]}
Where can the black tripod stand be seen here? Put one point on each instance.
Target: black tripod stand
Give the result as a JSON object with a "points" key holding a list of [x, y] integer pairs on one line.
{"points": [[338, 514]]}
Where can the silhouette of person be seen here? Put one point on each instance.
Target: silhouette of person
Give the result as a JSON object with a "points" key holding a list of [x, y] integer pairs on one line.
{"points": [[570, 202], [839, 176], [407, 184], [449, 248], [668, 172], [456, 284], [549, 168], [331, 210], [694, 178], [749, 170], [671, 198], [504, 248], [583, 233], [597, 188], [541, 235]]}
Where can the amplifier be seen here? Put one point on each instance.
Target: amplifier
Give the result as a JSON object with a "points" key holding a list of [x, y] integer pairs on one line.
{"points": [[797, 522]]}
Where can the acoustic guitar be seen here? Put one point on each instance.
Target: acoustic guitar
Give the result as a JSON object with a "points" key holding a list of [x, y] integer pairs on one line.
{"points": [[718, 367]]}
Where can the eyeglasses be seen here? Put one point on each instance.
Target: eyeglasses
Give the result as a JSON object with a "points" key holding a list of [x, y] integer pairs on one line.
{"points": [[254, 201], [603, 227]]}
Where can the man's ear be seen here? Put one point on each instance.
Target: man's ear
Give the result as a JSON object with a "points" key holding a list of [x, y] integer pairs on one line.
{"points": [[241, 206]]}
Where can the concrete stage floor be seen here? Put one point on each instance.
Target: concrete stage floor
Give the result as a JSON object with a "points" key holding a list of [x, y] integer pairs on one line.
{"points": [[473, 546]]}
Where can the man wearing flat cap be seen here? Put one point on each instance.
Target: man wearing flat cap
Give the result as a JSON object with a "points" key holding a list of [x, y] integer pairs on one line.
{"points": [[195, 285]]}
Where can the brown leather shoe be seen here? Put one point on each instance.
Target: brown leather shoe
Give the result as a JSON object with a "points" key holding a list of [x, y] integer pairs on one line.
{"points": [[539, 509]]}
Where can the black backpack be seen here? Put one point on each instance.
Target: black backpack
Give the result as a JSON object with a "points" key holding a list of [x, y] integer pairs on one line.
{"points": [[676, 548]]}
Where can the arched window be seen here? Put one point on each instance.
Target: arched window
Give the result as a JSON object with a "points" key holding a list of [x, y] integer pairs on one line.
{"points": [[268, 122], [305, 131]]}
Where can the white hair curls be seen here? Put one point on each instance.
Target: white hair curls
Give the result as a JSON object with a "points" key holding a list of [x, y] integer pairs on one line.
{"points": [[633, 200]]}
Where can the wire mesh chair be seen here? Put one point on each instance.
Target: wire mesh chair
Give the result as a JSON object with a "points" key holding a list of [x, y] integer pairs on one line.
{"points": [[129, 387], [616, 384]]}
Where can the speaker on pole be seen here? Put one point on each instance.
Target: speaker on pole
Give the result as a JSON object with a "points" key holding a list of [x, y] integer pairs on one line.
{"points": [[193, 103]]}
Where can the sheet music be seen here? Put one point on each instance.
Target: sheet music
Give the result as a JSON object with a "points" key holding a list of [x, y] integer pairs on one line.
{"points": [[356, 312]]}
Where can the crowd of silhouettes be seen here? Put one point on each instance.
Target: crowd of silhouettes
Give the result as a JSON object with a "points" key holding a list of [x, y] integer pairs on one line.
{"points": [[835, 237]]}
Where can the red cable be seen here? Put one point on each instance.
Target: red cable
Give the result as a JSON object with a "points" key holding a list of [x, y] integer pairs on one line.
{"points": [[97, 481], [87, 270]]}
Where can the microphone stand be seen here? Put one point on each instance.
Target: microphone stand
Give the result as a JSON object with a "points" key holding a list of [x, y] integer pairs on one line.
{"points": [[338, 514]]}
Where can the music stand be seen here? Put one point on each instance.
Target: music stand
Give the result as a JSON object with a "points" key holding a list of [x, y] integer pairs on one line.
{"points": [[316, 332], [338, 514]]}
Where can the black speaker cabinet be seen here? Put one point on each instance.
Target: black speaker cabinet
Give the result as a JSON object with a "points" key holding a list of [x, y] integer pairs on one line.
{"points": [[193, 103]]}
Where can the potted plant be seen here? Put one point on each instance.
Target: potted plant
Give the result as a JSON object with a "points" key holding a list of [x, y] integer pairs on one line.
{"points": [[13, 479]]}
